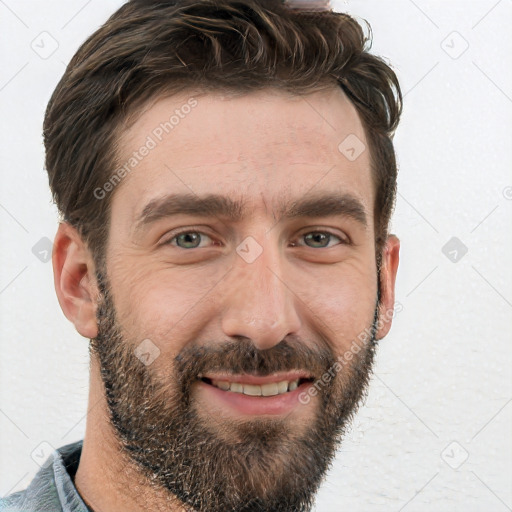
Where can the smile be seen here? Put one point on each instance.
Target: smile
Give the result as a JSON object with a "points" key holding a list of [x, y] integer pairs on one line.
{"points": [[270, 389], [275, 394]]}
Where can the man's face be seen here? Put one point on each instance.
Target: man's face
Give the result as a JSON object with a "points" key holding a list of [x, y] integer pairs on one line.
{"points": [[247, 302]]}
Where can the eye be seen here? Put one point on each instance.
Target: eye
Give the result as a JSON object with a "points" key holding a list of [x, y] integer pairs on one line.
{"points": [[319, 238], [191, 239], [187, 239]]}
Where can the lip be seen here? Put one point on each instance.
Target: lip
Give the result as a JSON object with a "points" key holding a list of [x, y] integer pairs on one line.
{"points": [[253, 405], [257, 380]]}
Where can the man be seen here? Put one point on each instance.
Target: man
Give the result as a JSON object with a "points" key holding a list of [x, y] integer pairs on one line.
{"points": [[226, 176]]}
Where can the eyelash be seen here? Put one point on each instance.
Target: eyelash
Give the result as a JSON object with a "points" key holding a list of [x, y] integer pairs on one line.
{"points": [[327, 232]]}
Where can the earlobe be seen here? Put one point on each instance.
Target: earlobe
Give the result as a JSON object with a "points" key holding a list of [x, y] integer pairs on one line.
{"points": [[74, 279], [390, 259]]}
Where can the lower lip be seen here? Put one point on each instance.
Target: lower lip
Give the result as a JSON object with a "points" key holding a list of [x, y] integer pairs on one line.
{"points": [[255, 405]]}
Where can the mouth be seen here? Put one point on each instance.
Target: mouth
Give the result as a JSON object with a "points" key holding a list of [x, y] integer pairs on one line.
{"points": [[264, 389], [254, 395]]}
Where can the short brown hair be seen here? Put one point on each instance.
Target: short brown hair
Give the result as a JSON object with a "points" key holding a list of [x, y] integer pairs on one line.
{"points": [[150, 48]]}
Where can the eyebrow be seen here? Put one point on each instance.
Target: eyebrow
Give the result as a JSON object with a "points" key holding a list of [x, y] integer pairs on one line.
{"points": [[317, 205]]}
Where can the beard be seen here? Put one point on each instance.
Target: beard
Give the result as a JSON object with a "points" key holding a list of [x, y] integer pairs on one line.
{"points": [[213, 463]]}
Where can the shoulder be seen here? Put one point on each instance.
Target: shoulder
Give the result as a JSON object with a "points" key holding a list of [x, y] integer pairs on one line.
{"points": [[45, 491]]}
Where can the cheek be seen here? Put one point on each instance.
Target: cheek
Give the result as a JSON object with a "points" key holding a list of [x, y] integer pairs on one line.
{"points": [[172, 306], [167, 306], [344, 304]]}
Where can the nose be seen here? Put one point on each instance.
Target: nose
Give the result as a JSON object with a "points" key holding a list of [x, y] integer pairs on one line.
{"points": [[260, 303]]}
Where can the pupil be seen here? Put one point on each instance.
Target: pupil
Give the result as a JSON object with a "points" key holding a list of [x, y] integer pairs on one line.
{"points": [[187, 236], [317, 237]]}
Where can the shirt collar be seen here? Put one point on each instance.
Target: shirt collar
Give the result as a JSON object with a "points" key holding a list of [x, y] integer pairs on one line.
{"points": [[52, 488]]}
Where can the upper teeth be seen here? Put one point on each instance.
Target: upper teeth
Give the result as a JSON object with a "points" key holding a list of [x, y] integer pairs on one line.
{"points": [[273, 388]]}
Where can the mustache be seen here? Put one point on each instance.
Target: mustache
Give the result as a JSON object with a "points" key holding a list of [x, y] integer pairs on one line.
{"points": [[241, 356]]}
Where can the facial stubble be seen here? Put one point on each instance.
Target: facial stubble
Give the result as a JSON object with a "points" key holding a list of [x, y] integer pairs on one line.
{"points": [[212, 463]]}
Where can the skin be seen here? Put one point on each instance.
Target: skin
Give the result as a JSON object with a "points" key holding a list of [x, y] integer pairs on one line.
{"points": [[271, 147]]}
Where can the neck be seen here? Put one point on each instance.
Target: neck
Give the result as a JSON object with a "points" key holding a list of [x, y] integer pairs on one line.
{"points": [[106, 479]]}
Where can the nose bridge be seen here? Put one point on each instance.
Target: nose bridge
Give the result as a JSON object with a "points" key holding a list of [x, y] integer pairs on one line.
{"points": [[260, 305]]}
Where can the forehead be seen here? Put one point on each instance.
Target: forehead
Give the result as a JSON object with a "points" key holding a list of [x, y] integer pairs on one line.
{"points": [[263, 146]]}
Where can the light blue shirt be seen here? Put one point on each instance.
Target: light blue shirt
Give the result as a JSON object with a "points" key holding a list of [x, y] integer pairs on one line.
{"points": [[52, 489]]}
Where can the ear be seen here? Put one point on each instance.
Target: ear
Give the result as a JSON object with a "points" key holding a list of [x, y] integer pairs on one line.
{"points": [[388, 271], [75, 280]]}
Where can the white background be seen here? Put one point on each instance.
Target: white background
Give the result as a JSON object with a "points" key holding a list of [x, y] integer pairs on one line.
{"points": [[442, 389]]}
